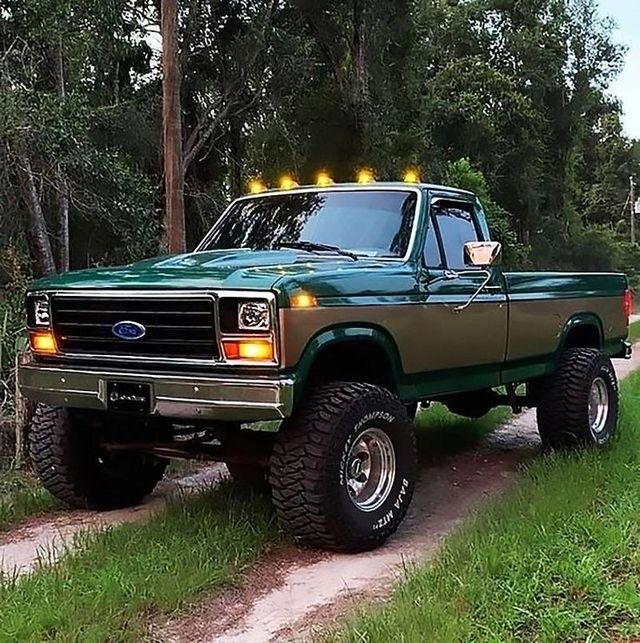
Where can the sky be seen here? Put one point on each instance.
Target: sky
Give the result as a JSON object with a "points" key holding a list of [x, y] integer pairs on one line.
{"points": [[626, 14]]}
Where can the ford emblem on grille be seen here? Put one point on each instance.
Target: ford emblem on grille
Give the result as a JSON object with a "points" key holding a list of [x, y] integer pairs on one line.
{"points": [[129, 330]]}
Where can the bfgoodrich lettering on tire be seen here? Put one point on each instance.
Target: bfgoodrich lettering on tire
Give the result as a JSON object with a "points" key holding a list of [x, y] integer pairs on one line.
{"points": [[343, 468], [578, 404]]}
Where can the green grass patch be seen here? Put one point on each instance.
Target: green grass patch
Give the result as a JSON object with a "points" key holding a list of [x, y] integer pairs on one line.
{"points": [[556, 560], [115, 581], [634, 332], [21, 496], [106, 588]]}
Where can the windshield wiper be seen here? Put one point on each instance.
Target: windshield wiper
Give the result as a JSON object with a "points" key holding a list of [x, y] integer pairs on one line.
{"points": [[311, 246]]}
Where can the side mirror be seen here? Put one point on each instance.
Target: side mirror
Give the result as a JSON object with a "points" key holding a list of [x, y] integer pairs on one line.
{"points": [[482, 254]]}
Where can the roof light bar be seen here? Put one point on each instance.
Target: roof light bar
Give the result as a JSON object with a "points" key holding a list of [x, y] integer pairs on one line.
{"points": [[366, 175], [256, 186]]}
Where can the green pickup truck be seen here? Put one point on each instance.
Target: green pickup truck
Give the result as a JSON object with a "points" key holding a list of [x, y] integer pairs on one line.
{"points": [[295, 344]]}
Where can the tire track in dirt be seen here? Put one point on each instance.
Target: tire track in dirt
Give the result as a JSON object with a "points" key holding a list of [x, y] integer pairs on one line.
{"points": [[290, 595], [301, 595], [44, 539]]}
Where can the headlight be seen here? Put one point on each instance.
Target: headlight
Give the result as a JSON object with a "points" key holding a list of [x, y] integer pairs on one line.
{"points": [[254, 315], [38, 311]]}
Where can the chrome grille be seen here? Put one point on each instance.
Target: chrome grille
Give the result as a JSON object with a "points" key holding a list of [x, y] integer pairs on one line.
{"points": [[176, 327]]}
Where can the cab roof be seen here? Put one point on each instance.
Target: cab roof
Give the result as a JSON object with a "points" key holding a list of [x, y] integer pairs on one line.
{"points": [[379, 185]]}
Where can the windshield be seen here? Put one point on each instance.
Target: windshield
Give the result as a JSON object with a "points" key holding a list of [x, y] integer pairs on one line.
{"points": [[375, 223]]}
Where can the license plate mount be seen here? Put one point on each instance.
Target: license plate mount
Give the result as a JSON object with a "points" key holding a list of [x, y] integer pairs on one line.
{"points": [[129, 397]]}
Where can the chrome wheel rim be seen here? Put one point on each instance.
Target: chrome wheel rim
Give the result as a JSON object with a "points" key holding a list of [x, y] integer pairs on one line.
{"points": [[598, 406], [371, 469]]}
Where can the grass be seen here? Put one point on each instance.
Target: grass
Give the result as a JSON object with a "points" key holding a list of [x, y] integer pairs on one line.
{"points": [[115, 581], [634, 332], [440, 433], [107, 587], [21, 496], [557, 560]]}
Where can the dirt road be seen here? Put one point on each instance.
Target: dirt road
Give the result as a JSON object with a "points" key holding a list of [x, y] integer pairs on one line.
{"points": [[45, 538], [290, 593], [304, 595]]}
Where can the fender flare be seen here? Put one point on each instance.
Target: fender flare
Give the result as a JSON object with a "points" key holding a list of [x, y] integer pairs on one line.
{"points": [[335, 335], [580, 320]]}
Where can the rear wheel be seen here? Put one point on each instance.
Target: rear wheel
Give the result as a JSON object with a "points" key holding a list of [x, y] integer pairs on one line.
{"points": [[69, 461], [343, 468], [578, 404]]}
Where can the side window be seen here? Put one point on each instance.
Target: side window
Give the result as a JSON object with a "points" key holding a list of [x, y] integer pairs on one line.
{"points": [[456, 226], [432, 255]]}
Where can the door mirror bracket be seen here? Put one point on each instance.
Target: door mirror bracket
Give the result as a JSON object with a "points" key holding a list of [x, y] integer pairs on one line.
{"points": [[481, 287]]}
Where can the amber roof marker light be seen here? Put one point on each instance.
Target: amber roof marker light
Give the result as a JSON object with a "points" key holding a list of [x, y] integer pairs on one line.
{"points": [[411, 175], [256, 186], [287, 182], [323, 179], [366, 175]]}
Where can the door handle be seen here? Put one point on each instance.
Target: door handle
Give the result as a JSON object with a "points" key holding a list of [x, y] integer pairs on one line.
{"points": [[493, 288]]}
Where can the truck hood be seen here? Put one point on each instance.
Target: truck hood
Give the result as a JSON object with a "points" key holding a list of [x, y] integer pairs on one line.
{"points": [[280, 270]]}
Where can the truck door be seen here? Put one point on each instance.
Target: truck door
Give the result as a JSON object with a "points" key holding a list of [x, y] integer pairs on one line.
{"points": [[471, 338]]}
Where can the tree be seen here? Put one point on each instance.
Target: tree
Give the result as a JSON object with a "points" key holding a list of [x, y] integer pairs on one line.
{"points": [[54, 165], [174, 224]]}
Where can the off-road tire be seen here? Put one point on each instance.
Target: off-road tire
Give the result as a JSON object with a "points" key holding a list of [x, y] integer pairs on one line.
{"points": [[563, 401], [67, 459], [309, 460]]}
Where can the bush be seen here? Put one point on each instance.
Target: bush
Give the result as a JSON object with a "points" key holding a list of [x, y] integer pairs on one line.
{"points": [[12, 332], [462, 174], [597, 248]]}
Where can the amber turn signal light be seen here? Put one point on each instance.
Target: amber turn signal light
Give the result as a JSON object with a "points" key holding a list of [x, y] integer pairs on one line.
{"points": [[303, 300], [248, 349], [43, 343]]}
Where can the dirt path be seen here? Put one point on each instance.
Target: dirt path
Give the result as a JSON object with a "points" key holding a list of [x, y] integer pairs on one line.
{"points": [[292, 592], [44, 539], [289, 596]]}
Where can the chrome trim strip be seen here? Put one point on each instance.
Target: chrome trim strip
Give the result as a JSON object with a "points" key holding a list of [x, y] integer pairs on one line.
{"points": [[174, 395], [376, 187]]}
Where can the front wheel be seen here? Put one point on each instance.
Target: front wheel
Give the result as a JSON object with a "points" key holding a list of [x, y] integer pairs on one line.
{"points": [[69, 461], [343, 468], [578, 405]]}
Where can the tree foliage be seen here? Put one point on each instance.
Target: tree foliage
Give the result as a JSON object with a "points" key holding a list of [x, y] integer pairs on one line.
{"points": [[505, 97]]}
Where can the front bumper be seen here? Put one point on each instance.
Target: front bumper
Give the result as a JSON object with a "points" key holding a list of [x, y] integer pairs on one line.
{"points": [[173, 395]]}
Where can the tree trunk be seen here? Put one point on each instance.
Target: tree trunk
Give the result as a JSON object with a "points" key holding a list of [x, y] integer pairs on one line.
{"points": [[37, 233], [174, 223], [360, 98], [61, 225], [235, 155], [23, 412]]}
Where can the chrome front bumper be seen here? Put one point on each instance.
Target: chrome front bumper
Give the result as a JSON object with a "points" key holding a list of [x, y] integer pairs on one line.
{"points": [[172, 395]]}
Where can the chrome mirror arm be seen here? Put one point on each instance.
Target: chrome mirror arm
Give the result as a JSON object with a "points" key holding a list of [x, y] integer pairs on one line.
{"points": [[483, 285]]}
